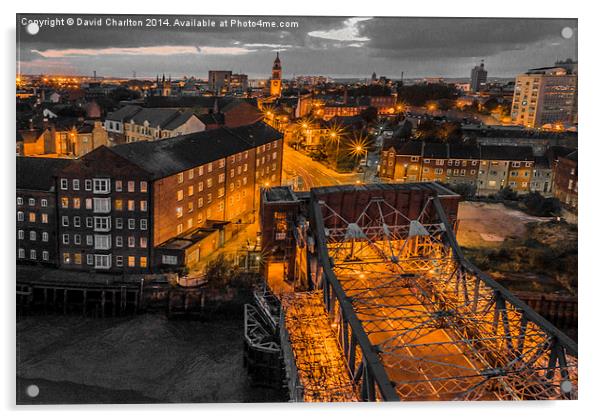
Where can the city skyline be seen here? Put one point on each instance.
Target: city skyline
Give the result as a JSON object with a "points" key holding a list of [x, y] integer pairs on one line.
{"points": [[329, 46]]}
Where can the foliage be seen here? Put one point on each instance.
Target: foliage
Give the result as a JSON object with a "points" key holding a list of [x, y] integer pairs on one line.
{"points": [[535, 204], [420, 94], [369, 114], [218, 272], [506, 194], [466, 190]]}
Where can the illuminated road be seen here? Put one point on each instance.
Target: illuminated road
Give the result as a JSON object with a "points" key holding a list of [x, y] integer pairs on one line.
{"points": [[312, 173]]}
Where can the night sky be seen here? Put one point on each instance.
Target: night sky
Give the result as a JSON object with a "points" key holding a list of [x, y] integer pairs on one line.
{"points": [[333, 46]]}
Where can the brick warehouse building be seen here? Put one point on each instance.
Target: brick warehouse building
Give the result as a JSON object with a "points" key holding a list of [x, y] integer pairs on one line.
{"points": [[149, 206], [36, 209]]}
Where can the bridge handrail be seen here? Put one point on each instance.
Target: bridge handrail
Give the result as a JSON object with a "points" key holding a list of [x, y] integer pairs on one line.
{"points": [[562, 339], [387, 389]]}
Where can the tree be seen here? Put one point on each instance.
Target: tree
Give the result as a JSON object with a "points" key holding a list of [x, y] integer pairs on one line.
{"points": [[535, 204], [218, 272], [370, 114], [506, 194]]}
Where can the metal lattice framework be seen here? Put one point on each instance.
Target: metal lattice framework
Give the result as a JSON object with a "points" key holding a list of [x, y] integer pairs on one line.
{"points": [[417, 321]]}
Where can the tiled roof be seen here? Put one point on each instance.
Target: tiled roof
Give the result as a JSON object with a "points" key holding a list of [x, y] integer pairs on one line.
{"points": [[37, 173], [166, 157]]}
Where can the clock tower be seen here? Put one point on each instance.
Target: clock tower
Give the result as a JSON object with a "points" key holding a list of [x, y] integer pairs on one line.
{"points": [[276, 80]]}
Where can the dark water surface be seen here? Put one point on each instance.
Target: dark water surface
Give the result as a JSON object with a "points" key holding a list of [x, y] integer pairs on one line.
{"points": [[141, 359]]}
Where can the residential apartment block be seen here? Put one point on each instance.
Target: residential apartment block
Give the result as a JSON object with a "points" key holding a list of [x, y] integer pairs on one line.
{"points": [[36, 209], [161, 205], [545, 96], [134, 123], [488, 168]]}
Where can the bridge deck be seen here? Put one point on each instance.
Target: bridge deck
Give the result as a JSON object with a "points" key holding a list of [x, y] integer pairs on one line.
{"points": [[322, 370]]}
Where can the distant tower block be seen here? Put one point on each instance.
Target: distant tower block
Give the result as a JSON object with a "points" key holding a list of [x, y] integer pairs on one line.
{"points": [[276, 80]]}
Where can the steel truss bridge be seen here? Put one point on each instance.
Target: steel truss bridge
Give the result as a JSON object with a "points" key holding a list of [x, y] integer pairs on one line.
{"points": [[415, 320]]}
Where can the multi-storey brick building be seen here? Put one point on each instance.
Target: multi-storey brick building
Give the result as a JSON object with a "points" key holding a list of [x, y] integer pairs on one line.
{"points": [[163, 204], [566, 179], [488, 168], [36, 209]]}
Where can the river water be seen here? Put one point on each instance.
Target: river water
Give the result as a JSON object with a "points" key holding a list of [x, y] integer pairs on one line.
{"points": [[141, 359]]}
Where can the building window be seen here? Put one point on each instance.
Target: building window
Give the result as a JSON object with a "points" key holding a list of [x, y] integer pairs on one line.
{"points": [[190, 174], [76, 184], [143, 242], [102, 261], [45, 255], [131, 241], [101, 186], [131, 223], [102, 241], [65, 239], [102, 223], [32, 202], [44, 218], [64, 184], [77, 239], [102, 205], [90, 259], [118, 185], [143, 261], [32, 235], [179, 212], [76, 222], [64, 202], [21, 234], [118, 205], [143, 224], [88, 203], [131, 205], [119, 261], [180, 195], [221, 178], [119, 223], [143, 206], [169, 260], [180, 177], [32, 254], [190, 190], [88, 184], [89, 222], [131, 261], [76, 203], [65, 221], [179, 229], [21, 253], [143, 186], [44, 203], [89, 240], [19, 201], [200, 188]]}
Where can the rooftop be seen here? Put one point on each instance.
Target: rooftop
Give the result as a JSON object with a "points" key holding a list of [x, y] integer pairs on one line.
{"points": [[37, 173], [168, 156]]}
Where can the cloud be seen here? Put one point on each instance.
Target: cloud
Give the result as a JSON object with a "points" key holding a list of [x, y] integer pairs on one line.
{"points": [[158, 50], [349, 31]]}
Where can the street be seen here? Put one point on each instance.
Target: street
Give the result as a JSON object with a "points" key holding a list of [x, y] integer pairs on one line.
{"points": [[312, 173]]}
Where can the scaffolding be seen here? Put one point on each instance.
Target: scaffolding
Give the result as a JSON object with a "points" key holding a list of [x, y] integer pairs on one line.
{"points": [[320, 372]]}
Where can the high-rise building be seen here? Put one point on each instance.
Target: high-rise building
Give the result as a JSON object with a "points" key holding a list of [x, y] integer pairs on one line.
{"points": [[219, 81], [478, 77], [545, 96], [276, 80]]}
